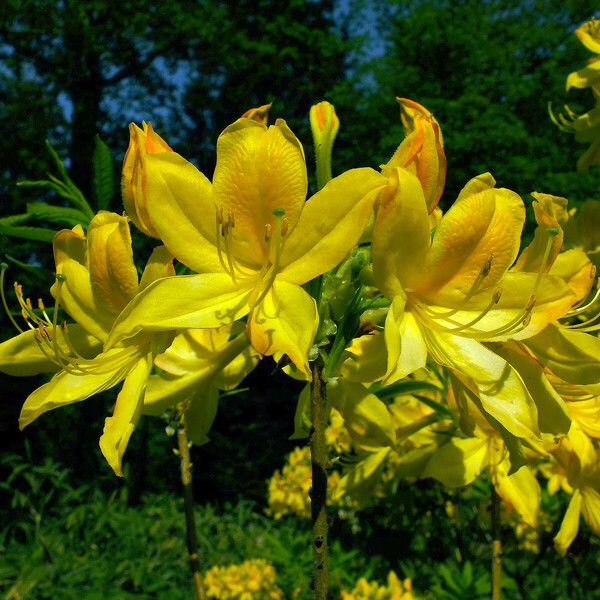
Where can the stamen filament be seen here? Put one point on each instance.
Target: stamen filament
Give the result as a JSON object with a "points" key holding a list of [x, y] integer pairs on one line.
{"points": [[276, 241], [474, 289], [4, 302]]}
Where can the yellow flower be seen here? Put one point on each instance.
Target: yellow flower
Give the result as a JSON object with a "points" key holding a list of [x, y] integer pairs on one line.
{"points": [[96, 278], [452, 292], [251, 237], [579, 460]]}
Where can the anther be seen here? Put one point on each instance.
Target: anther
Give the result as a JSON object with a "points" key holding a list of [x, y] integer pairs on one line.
{"points": [[485, 271], [268, 232], [284, 226]]}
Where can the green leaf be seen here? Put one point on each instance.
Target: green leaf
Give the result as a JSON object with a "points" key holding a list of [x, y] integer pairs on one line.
{"points": [[13, 219], [103, 180], [38, 273], [57, 214], [37, 234]]}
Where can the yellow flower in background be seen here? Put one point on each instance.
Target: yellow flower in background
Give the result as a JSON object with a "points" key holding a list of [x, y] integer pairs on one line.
{"points": [[251, 237], [254, 578], [579, 461], [96, 278], [371, 590], [586, 127]]}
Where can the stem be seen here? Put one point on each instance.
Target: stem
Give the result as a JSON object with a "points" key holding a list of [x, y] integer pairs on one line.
{"points": [[318, 495], [188, 499], [496, 547]]}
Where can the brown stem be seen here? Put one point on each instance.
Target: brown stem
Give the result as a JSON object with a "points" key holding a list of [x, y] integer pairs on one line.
{"points": [[496, 547], [318, 495], [188, 499]]}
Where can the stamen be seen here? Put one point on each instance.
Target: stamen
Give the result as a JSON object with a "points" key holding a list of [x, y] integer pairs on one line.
{"points": [[268, 232], [60, 280], [474, 289], [494, 300], [4, 267], [276, 242]]}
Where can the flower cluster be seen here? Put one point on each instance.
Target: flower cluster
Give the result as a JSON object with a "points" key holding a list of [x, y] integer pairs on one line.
{"points": [[445, 348], [253, 579], [371, 590]]}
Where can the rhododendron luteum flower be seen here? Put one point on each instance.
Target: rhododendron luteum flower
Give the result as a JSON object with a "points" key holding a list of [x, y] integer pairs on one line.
{"points": [[251, 237], [453, 292], [96, 278]]}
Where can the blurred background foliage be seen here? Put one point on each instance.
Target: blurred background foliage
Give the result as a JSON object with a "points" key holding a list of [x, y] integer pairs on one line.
{"points": [[70, 70]]}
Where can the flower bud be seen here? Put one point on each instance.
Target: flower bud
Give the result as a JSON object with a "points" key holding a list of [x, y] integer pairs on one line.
{"points": [[422, 150], [141, 143], [324, 124]]}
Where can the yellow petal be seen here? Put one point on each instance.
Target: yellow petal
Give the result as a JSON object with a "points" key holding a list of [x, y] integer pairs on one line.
{"points": [[407, 351], [142, 142], [181, 207], [359, 481], [499, 387], [570, 525], [365, 416], [65, 388], [285, 322], [550, 214], [481, 229], [458, 462], [258, 170], [159, 265], [520, 490], [368, 359], [126, 414], [21, 355], [401, 234], [553, 414], [70, 244], [79, 300], [590, 508], [182, 302], [200, 415], [572, 355], [330, 225], [589, 76], [421, 152], [576, 270], [589, 35], [112, 272]]}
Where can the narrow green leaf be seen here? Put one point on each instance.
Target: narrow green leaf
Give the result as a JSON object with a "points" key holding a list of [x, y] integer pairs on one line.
{"points": [[103, 180], [57, 214], [37, 234], [14, 219], [39, 273], [405, 387]]}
